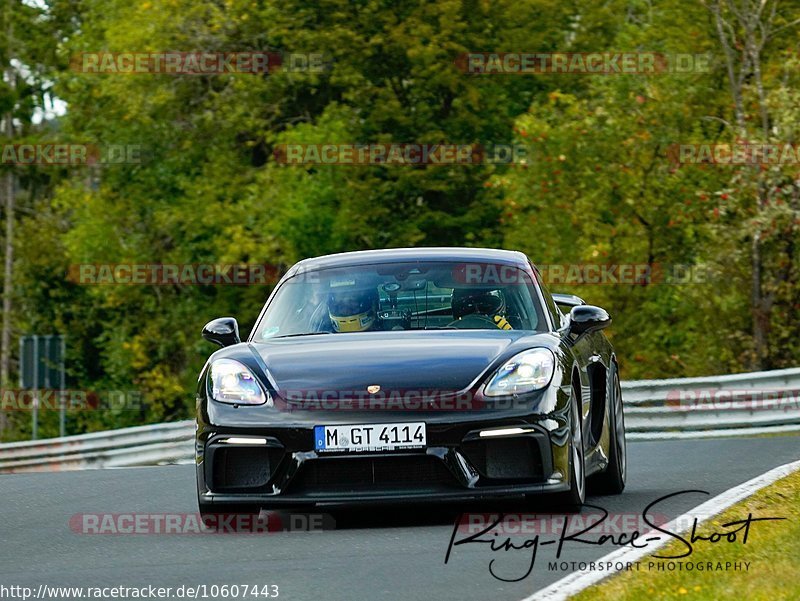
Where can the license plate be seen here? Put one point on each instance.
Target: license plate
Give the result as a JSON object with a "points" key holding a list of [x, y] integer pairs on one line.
{"points": [[370, 437]]}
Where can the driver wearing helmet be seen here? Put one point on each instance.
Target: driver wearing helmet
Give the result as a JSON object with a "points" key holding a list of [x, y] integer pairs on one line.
{"points": [[354, 310], [474, 308]]}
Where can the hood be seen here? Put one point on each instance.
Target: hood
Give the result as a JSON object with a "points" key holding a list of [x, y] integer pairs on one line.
{"points": [[441, 360]]}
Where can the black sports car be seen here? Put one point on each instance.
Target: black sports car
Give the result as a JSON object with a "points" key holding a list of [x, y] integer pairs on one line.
{"points": [[426, 374]]}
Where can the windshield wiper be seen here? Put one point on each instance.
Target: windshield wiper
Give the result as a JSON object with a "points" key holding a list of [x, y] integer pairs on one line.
{"points": [[300, 334]]}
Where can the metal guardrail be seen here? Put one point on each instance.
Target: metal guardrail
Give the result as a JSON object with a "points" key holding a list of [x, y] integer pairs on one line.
{"points": [[126, 447], [715, 406]]}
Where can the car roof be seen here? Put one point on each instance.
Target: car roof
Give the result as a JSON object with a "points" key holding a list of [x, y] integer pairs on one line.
{"points": [[402, 255]]}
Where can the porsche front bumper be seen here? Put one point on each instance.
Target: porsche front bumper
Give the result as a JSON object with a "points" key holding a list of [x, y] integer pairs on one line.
{"points": [[278, 466]]}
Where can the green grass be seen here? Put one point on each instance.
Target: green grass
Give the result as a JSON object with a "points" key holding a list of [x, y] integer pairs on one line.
{"points": [[773, 550]]}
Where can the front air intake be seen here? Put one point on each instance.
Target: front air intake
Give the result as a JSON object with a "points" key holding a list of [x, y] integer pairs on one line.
{"points": [[505, 458], [245, 467]]}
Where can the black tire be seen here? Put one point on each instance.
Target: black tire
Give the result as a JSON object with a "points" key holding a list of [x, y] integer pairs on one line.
{"points": [[611, 481], [572, 500]]}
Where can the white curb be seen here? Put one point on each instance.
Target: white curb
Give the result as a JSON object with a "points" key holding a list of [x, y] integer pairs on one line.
{"points": [[578, 581]]}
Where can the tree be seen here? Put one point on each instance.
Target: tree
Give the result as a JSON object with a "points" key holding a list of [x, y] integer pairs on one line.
{"points": [[27, 57], [750, 34]]}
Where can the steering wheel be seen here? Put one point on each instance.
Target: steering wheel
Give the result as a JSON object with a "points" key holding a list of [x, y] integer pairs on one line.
{"points": [[473, 322]]}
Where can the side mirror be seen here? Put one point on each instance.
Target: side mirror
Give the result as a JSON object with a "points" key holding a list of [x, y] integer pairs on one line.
{"points": [[223, 331], [587, 318]]}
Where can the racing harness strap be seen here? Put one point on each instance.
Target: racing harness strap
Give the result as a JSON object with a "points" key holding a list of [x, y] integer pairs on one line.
{"points": [[502, 322]]}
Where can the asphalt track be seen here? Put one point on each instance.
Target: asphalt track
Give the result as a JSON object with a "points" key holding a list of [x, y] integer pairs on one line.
{"points": [[388, 553]]}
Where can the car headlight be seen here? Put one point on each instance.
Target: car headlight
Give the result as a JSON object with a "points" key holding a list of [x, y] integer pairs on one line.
{"points": [[528, 371], [231, 382]]}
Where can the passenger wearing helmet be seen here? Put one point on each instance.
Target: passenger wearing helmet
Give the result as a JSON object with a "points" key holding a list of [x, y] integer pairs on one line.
{"points": [[354, 310], [478, 308]]}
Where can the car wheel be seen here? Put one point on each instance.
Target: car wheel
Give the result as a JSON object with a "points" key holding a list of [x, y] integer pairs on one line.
{"points": [[573, 499], [612, 480]]}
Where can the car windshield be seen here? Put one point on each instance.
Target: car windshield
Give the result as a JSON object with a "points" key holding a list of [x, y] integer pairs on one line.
{"points": [[403, 296]]}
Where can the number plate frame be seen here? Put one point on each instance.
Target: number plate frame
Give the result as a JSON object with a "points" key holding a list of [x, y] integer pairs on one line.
{"points": [[370, 438]]}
